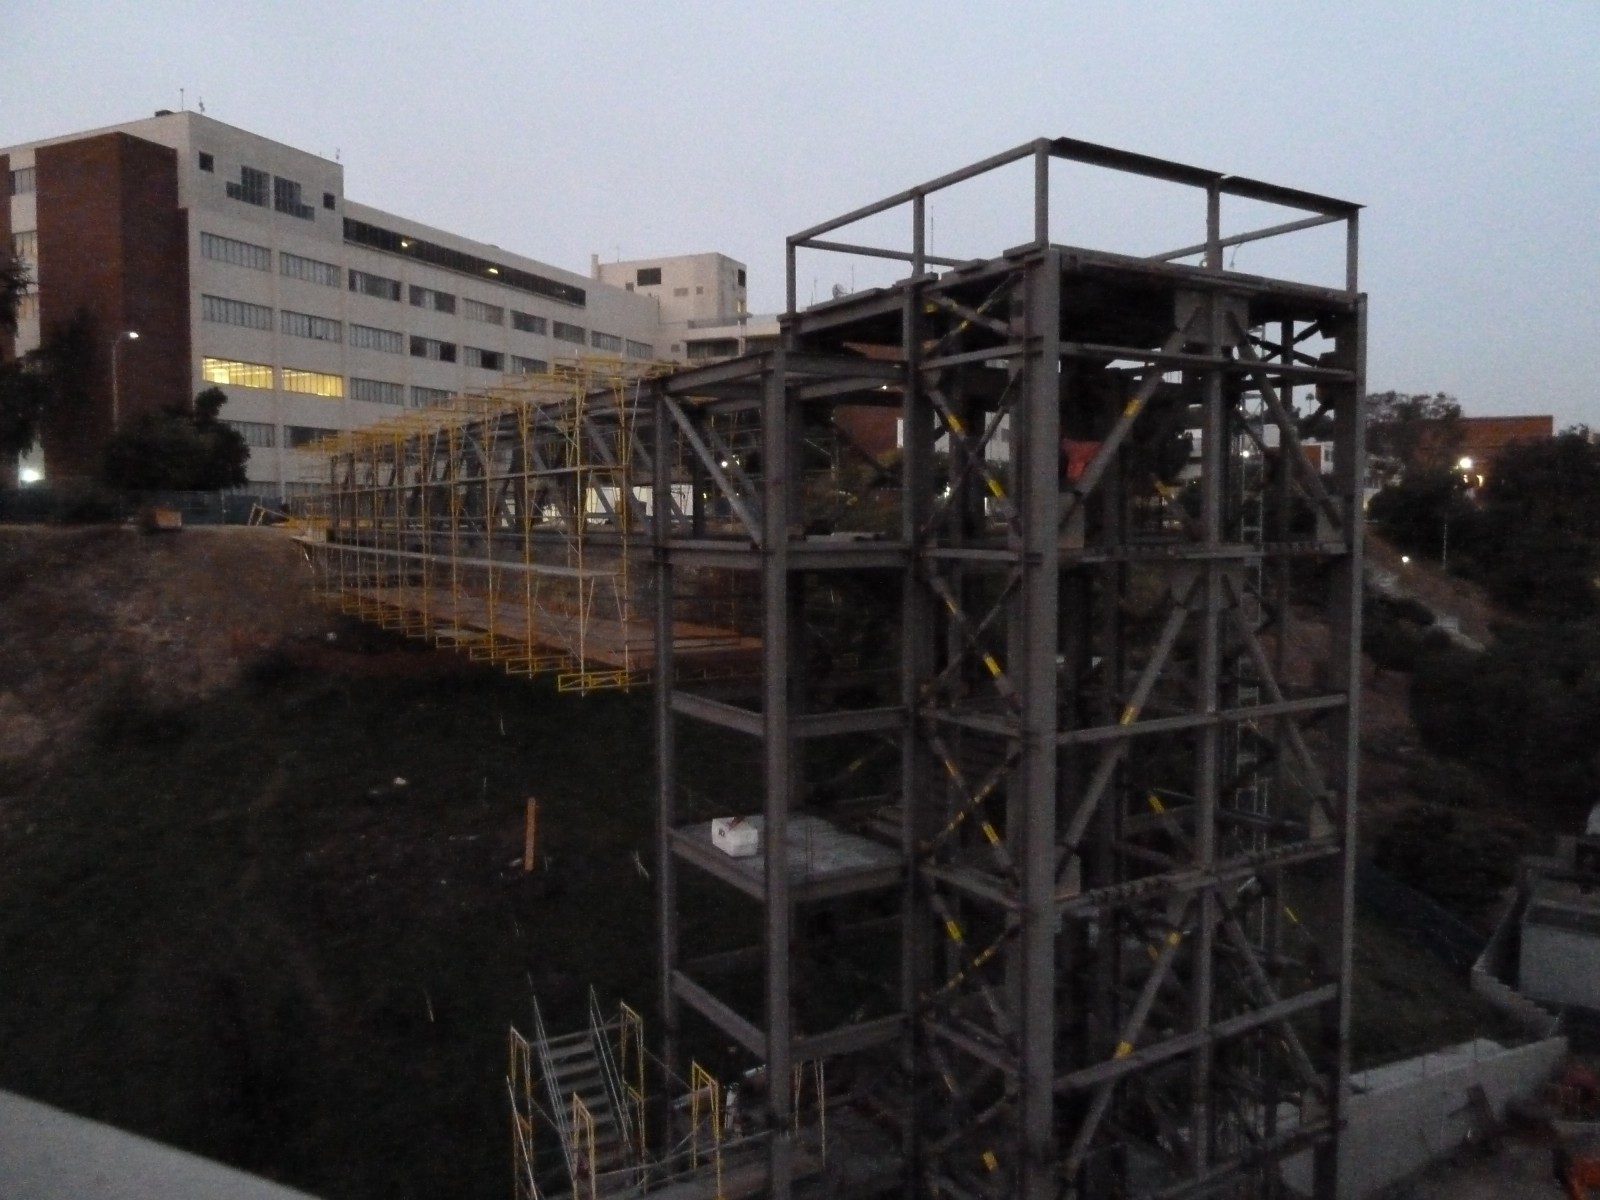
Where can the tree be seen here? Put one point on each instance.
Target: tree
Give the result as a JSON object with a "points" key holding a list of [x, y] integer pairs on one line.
{"points": [[1536, 541], [1408, 433], [15, 283], [53, 377], [178, 448], [1415, 511]]}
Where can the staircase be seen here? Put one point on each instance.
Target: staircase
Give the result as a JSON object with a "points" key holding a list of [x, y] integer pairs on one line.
{"points": [[584, 1094]]}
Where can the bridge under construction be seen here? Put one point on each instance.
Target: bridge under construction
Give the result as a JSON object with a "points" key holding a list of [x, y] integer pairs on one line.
{"points": [[1043, 887]]}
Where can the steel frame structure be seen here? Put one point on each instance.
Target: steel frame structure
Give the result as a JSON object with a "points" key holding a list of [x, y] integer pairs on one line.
{"points": [[1113, 725]]}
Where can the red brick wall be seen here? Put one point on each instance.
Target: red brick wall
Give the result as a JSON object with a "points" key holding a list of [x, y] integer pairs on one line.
{"points": [[1483, 437], [113, 240], [8, 345]]}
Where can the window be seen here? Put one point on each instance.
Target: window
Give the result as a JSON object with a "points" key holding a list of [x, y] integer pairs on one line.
{"points": [[329, 200], [376, 391], [648, 276], [298, 436], [488, 360], [23, 181], [28, 306], [713, 348], [321, 329], [699, 291], [422, 397], [608, 342], [390, 341], [252, 187], [527, 322], [286, 199], [640, 349], [235, 312], [423, 347], [207, 163], [309, 269], [374, 285], [390, 242], [25, 244], [236, 374], [256, 434], [239, 254], [570, 333], [741, 276], [422, 297], [312, 383], [528, 366], [476, 310], [680, 291]]}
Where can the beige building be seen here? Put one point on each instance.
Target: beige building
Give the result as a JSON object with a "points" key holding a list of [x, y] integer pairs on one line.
{"points": [[241, 263]]}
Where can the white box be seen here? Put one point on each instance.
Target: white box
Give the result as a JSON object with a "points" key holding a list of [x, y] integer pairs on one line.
{"points": [[735, 837]]}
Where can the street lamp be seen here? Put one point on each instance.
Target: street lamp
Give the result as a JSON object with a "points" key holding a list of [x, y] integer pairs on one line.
{"points": [[127, 335]]}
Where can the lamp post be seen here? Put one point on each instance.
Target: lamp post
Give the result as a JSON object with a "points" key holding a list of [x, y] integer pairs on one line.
{"points": [[127, 335]]}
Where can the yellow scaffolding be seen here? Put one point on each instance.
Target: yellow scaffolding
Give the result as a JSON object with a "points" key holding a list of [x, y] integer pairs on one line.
{"points": [[505, 524]]}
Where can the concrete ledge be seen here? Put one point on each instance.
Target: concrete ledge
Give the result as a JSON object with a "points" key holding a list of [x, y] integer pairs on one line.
{"points": [[46, 1154]]}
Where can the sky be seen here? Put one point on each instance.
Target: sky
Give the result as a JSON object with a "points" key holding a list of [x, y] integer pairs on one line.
{"points": [[1470, 131]]}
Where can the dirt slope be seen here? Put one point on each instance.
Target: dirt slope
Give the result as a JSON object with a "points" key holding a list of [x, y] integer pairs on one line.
{"points": [[83, 611]]}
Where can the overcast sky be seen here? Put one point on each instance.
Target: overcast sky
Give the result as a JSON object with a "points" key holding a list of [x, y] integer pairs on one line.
{"points": [[1471, 131]]}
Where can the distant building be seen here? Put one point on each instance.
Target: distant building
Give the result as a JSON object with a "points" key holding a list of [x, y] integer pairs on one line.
{"points": [[1482, 438], [240, 263]]}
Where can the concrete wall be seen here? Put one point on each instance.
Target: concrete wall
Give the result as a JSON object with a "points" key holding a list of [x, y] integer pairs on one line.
{"points": [[1407, 1114]]}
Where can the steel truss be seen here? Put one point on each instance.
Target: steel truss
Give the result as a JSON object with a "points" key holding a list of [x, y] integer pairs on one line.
{"points": [[1059, 854]]}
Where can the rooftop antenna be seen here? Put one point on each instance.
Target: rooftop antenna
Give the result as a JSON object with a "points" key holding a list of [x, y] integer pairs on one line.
{"points": [[183, 105], [200, 101]]}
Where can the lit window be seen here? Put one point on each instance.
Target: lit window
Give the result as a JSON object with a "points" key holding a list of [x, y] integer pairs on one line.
{"points": [[570, 333], [426, 397], [374, 285], [28, 306], [236, 374], [608, 342], [489, 314], [390, 341], [23, 181], [424, 347], [252, 187], [528, 366], [312, 383], [488, 360], [434, 301], [377, 391], [238, 254], [640, 349], [257, 434], [207, 163], [25, 244], [309, 269], [235, 312], [320, 329], [527, 322]]}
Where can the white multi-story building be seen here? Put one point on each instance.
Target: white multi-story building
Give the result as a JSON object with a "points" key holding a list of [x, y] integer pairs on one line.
{"points": [[240, 263]]}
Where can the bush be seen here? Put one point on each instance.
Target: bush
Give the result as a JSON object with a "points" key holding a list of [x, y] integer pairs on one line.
{"points": [[1462, 860]]}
